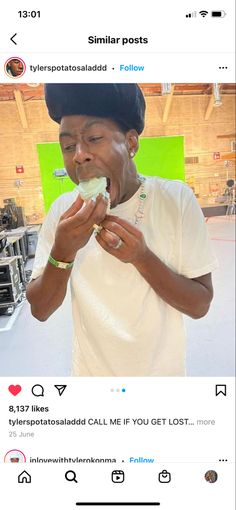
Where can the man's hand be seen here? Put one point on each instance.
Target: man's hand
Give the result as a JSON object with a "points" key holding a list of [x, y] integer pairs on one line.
{"points": [[189, 296], [132, 247], [75, 227]]}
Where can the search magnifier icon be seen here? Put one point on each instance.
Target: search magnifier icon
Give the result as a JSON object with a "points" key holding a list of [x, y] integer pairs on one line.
{"points": [[70, 476]]}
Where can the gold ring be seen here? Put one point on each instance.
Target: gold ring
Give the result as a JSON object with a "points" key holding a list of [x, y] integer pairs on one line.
{"points": [[97, 228]]}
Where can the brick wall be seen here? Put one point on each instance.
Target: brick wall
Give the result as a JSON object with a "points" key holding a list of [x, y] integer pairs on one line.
{"points": [[186, 117]]}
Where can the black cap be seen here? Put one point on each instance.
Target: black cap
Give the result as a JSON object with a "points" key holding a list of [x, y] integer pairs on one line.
{"points": [[122, 102]]}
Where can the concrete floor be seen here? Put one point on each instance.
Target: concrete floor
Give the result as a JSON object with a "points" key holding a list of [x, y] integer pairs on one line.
{"points": [[211, 340], [30, 348]]}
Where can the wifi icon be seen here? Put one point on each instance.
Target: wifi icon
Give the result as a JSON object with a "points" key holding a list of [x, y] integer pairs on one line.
{"points": [[203, 13]]}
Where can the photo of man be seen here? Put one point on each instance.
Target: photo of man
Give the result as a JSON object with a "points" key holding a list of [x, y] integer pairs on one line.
{"points": [[135, 249], [15, 67]]}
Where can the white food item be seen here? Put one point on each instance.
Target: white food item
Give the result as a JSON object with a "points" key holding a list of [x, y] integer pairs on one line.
{"points": [[92, 187]]}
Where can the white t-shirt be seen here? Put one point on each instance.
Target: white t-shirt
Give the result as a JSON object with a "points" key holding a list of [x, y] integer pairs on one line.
{"points": [[122, 327]]}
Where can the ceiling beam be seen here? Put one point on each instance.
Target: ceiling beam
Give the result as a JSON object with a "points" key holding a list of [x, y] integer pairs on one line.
{"points": [[20, 108], [169, 98]]}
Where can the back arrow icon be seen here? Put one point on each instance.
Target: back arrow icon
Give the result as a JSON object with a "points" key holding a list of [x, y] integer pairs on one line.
{"points": [[12, 39]]}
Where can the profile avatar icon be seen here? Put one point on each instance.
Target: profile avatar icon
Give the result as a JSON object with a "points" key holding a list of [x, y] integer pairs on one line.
{"points": [[211, 476], [15, 67], [14, 457]]}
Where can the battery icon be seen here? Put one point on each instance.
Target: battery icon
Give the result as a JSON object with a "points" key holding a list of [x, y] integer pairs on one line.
{"points": [[218, 14]]}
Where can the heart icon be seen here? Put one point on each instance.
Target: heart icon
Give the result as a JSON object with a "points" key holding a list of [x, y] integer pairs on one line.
{"points": [[15, 389]]}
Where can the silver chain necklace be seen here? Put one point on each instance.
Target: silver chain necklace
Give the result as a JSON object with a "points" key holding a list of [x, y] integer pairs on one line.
{"points": [[141, 200]]}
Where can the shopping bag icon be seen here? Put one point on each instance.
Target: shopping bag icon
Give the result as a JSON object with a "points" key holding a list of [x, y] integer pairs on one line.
{"points": [[164, 476]]}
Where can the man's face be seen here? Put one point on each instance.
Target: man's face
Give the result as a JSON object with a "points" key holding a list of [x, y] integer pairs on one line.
{"points": [[16, 67], [95, 147]]}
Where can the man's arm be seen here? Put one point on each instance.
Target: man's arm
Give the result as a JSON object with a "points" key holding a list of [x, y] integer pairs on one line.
{"points": [[47, 292], [189, 296]]}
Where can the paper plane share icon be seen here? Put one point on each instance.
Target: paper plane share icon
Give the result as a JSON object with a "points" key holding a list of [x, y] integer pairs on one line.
{"points": [[61, 388]]}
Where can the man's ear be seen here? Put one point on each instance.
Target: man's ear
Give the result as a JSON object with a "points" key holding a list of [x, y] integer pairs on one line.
{"points": [[132, 142]]}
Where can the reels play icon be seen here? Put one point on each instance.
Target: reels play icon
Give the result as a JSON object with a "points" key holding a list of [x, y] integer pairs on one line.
{"points": [[117, 476]]}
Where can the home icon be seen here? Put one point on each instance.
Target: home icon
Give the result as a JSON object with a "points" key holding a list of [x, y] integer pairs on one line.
{"points": [[24, 477]]}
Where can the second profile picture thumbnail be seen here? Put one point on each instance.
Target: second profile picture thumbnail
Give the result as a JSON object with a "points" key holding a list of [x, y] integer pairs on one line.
{"points": [[15, 67], [14, 456]]}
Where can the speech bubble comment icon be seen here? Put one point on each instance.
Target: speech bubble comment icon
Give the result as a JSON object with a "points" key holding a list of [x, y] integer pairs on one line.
{"points": [[37, 390]]}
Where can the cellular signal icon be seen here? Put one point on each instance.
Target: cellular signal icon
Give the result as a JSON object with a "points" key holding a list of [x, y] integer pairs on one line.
{"points": [[191, 14], [203, 13]]}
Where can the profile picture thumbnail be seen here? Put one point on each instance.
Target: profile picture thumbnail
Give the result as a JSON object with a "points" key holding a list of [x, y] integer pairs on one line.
{"points": [[15, 67], [14, 456], [211, 476]]}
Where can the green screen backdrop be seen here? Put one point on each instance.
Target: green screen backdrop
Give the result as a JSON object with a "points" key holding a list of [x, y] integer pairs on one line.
{"points": [[50, 159], [160, 156]]}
